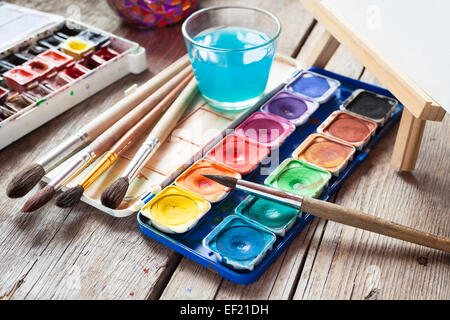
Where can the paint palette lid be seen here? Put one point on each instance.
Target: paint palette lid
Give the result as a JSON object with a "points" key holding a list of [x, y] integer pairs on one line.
{"points": [[18, 23], [299, 177], [371, 105], [239, 242], [271, 215], [314, 86], [175, 210]]}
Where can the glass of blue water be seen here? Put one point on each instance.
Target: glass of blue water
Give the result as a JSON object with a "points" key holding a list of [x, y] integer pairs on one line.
{"points": [[231, 50]]}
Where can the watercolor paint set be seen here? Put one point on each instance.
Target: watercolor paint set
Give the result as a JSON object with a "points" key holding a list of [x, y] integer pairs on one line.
{"points": [[49, 63], [239, 235]]}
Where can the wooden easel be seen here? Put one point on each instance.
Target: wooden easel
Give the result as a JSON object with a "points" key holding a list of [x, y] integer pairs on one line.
{"points": [[419, 107]]}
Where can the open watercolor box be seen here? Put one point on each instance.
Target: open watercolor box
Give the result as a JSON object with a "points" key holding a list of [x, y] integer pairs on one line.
{"points": [[234, 235], [48, 64]]}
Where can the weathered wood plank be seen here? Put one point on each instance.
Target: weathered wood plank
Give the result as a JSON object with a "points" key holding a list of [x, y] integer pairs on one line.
{"points": [[42, 251], [355, 264]]}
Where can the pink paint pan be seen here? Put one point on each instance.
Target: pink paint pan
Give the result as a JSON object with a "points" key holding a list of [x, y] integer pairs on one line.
{"points": [[75, 71], [20, 79], [238, 153], [56, 58], [267, 129]]}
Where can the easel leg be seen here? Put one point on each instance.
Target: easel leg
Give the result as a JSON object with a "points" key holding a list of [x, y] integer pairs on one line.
{"points": [[322, 51], [407, 143]]}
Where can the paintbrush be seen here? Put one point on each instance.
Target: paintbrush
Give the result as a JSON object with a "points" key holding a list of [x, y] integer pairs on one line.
{"points": [[334, 212], [114, 194], [72, 196], [101, 144], [28, 177]]}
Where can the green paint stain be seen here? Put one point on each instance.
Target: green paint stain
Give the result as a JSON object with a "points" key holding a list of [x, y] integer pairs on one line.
{"points": [[39, 102], [270, 214], [71, 92], [299, 177]]}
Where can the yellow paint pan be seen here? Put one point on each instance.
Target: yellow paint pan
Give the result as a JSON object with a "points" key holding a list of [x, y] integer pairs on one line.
{"points": [[76, 47], [175, 210]]}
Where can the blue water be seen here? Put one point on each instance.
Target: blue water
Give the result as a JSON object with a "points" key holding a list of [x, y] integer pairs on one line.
{"points": [[230, 77]]}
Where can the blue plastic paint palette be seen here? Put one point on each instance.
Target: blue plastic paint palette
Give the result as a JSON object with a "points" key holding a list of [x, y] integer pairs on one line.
{"points": [[273, 216], [239, 242], [314, 86], [190, 243]]}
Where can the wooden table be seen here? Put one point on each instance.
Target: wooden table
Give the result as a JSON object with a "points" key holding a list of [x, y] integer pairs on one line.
{"points": [[82, 253], [385, 46]]}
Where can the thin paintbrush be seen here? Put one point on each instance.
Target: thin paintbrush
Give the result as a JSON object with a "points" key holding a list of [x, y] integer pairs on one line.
{"points": [[114, 194], [101, 144], [28, 177], [334, 212], [72, 196]]}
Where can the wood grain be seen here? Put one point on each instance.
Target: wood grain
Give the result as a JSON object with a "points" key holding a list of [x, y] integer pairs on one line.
{"points": [[355, 264], [82, 253]]}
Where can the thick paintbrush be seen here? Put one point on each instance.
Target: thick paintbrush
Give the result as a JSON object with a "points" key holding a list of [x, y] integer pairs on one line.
{"points": [[114, 194], [101, 144], [334, 212], [28, 177], [72, 196]]}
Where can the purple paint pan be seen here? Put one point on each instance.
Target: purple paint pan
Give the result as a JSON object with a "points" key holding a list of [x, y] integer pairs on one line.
{"points": [[314, 86], [267, 129], [290, 106]]}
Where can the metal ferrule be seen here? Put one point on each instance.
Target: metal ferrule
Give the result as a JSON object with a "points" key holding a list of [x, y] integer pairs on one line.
{"points": [[141, 157], [73, 168], [104, 163], [271, 194], [64, 150]]}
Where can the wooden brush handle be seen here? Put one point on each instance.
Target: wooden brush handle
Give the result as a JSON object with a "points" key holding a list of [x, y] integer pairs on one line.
{"points": [[139, 128], [169, 120], [103, 142], [97, 126], [364, 221]]}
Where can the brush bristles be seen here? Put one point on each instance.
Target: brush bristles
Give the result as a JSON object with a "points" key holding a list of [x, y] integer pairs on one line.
{"points": [[24, 181], [70, 197], [39, 199], [114, 194]]}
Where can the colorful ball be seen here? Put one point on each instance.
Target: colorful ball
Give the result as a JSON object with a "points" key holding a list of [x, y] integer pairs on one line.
{"points": [[152, 13]]}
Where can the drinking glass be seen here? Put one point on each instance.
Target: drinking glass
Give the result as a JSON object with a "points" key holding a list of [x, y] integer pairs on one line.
{"points": [[231, 50]]}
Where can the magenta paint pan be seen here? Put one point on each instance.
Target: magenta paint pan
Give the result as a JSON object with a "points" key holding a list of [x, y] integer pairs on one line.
{"points": [[91, 62], [20, 79], [57, 58], [106, 53], [75, 71], [267, 129], [291, 106], [3, 94]]}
